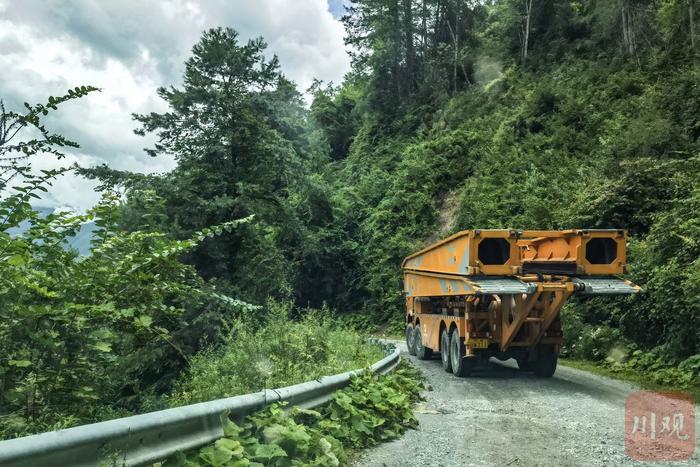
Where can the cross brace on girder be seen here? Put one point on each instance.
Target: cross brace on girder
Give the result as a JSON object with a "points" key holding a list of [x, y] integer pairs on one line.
{"points": [[517, 310]]}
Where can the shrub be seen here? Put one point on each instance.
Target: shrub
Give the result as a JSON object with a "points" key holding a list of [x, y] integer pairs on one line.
{"points": [[372, 409], [279, 353], [662, 370], [85, 337], [587, 341]]}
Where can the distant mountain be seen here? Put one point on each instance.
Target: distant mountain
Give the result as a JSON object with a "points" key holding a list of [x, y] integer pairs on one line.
{"points": [[79, 242]]}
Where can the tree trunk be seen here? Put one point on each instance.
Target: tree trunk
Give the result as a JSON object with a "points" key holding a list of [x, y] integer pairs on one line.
{"points": [[436, 28], [624, 28], [395, 51], [439, 11], [455, 35], [424, 41], [455, 44], [628, 36], [408, 39], [691, 17], [526, 32]]}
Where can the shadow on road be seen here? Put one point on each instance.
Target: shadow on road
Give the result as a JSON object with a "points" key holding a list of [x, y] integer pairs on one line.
{"points": [[495, 369], [565, 380]]}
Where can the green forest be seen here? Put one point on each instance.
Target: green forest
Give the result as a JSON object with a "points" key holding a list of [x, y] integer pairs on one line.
{"points": [[275, 245]]}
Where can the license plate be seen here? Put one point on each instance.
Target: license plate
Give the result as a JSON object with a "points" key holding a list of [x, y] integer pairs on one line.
{"points": [[479, 343]]}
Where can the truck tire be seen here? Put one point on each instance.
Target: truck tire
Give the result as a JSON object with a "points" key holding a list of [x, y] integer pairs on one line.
{"points": [[422, 352], [460, 366], [546, 364], [410, 340], [445, 350], [524, 363]]}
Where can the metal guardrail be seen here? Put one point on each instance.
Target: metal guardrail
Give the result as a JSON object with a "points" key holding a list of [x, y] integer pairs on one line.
{"points": [[153, 436]]}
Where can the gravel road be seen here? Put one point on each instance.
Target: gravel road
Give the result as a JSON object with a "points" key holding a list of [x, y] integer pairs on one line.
{"points": [[503, 417]]}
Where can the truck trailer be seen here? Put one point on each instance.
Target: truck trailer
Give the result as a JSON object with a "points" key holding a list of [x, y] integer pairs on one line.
{"points": [[497, 293]]}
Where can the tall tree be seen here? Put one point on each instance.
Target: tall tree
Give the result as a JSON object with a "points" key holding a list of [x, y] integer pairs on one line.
{"points": [[408, 30], [691, 22], [629, 39], [233, 128], [527, 22]]}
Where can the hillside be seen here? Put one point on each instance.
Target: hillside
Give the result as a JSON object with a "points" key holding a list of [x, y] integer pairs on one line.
{"points": [[592, 123], [451, 118]]}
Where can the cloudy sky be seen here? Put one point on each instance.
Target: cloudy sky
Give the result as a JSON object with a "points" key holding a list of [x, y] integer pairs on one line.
{"points": [[129, 48]]}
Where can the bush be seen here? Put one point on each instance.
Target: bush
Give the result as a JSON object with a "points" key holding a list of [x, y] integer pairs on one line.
{"points": [[279, 353], [587, 341], [660, 369], [85, 338], [371, 410]]}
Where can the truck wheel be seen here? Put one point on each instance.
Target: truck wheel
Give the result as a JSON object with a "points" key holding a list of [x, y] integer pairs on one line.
{"points": [[524, 363], [422, 352], [460, 366], [546, 364], [445, 350], [410, 341]]}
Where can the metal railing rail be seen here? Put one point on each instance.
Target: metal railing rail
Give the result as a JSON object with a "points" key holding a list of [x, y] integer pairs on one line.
{"points": [[153, 436]]}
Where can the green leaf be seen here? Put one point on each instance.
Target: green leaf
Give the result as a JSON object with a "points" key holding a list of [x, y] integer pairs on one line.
{"points": [[269, 451], [230, 444], [103, 346], [240, 463], [145, 321], [16, 260], [359, 424], [127, 312], [231, 429], [215, 456], [20, 363]]}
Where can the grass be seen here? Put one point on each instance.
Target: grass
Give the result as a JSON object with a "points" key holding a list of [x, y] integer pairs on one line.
{"points": [[281, 353], [638, 378]]}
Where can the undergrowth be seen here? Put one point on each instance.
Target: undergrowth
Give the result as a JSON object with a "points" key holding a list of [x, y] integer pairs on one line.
{"points": [[602, 348], [644, 379], [371, 410], [278, 353]]}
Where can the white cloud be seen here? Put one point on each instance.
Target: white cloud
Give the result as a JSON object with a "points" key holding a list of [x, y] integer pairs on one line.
{"points": [[129, 48]]}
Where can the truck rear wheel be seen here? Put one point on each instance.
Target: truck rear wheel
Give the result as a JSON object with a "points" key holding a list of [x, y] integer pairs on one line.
{"points": [[546, 364], [460, 366], [445, 350], [524, 363], [410, 340], [422, 352]]}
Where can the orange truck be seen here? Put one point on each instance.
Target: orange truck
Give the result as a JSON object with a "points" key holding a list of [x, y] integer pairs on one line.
{"points": [[497, 293]]}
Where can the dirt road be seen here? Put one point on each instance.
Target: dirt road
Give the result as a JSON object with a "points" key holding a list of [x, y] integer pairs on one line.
{"points": [[503, 417]]}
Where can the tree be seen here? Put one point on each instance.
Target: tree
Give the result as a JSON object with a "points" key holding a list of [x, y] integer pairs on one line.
{"points": [[244, 146], [15, 153], [233, 128], [677, 25], [526, 29], [333, 111], [691, 22], [69, 325], [629, 39]]}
